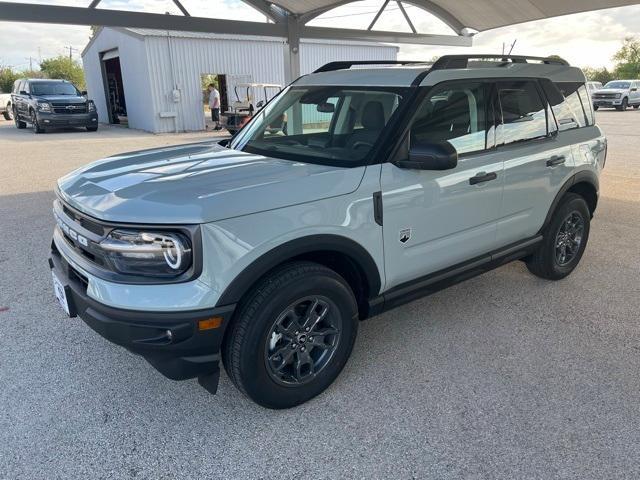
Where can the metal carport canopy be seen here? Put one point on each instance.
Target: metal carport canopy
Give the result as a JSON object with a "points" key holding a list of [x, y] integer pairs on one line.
{"points": [[290, 19]]}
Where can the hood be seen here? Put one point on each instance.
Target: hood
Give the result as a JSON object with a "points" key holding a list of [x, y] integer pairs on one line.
{"points": [[61, 98], [612, 90], [198, 183]]}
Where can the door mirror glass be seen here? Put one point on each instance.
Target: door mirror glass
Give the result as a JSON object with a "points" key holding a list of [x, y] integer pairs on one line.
{"points": [[430, 156], [23, 92]]}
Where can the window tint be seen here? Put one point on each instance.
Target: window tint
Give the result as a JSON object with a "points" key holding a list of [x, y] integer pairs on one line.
{"points": [[572, 108], [455, 113], [524, 115], [587, 106]]}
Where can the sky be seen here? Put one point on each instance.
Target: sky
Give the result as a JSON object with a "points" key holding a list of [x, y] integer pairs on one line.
{"points": [[587, 39]]}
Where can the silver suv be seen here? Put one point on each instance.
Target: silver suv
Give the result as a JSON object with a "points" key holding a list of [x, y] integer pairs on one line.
{"points": [[618, 94], [353, 191]]}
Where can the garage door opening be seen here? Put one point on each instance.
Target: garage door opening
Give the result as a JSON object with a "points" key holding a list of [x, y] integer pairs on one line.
{"points": [[220, 82], [114, 88]]}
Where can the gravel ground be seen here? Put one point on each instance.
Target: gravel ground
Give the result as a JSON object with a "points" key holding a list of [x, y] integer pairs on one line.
{"points": [[504, 376]]}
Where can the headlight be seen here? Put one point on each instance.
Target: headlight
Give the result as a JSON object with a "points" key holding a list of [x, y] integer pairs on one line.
{"points": [[44, 107], [618, 95], [157, 254], [92, 106]]}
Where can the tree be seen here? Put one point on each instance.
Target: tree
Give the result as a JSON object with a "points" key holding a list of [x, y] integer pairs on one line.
{"points": [[602, 75], [628, 59], [65, 68], [7, 77]]}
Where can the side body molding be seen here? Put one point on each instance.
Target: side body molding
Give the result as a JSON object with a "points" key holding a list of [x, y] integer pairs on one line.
{"points": [[296, 248]]}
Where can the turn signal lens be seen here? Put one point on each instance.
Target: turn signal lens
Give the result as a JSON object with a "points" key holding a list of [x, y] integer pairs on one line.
{"points": [[210, 323]]}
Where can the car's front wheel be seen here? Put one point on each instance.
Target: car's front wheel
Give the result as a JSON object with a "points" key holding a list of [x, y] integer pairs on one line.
{"points": [[596, 107], [564, 240], [35, 124], [625, 104], [8, 113], [292, 336]]}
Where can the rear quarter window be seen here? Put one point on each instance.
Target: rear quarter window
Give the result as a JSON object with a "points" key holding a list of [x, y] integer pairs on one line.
{"points": [[572, 108]]}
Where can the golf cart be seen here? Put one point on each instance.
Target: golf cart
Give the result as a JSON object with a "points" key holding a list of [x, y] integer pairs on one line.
{"points": [[243, 108]]}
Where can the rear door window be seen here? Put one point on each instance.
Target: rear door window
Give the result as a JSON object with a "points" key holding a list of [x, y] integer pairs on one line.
{"points": [[523, 112]]}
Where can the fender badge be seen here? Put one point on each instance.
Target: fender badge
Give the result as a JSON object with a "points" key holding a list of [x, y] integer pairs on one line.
{"points": [[405, 235]]}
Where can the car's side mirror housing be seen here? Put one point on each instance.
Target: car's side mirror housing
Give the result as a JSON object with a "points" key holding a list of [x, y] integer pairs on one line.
{"points": [[83, 93], [634, 89], [430, 156], [23, 92]]}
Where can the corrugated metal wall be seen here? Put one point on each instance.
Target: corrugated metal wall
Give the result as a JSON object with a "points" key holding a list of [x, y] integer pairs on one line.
{"points": [[177, 62]]}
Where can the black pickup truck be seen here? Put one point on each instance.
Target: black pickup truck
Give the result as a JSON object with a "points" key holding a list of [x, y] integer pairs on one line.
{"points": [[46, 103]]}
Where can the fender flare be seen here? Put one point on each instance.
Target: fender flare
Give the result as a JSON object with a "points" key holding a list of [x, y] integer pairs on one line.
{"points": [[294, 248], [583, 176]]}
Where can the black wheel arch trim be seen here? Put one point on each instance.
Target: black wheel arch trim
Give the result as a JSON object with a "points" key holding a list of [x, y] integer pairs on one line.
{"points": [[295, 248], [583, 176]]}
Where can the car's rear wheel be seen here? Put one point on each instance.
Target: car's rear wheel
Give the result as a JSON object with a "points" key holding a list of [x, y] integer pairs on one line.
{"points": [[564, 240], [19, 123], [292, 336], [34, 123]]}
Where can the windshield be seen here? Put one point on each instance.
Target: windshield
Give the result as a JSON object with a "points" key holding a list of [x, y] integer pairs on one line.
{"points": [[53, 88], [618, 85], [326, 125]]}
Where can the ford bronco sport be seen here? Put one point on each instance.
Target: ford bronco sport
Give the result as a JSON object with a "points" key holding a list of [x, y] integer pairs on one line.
{"points": [[391, 182]]}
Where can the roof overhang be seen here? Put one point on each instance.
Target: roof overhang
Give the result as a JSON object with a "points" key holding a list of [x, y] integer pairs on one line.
{"points": [[282, 26]]}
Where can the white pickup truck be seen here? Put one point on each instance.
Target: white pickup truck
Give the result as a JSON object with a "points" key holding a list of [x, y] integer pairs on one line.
{"points": [[5, 105]]}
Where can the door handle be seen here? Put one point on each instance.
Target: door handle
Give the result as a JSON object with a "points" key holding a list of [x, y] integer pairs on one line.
{"points": [[556, 160], [483, 177]]}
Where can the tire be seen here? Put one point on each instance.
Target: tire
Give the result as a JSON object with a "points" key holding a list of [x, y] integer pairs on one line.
{"points": [[92, 129], [19, 123], [547, 261], [267, 340], [625, 104], [635, 107], [596, 107], [34, 123], [8, 113]]}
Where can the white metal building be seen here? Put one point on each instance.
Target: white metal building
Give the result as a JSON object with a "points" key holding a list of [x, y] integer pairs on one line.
{"points": [[158, 73]]}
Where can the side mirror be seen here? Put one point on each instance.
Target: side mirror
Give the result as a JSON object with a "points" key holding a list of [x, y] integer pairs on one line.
{"points": [[430, 156], [634, 89], [23, 92], [83, 93]]}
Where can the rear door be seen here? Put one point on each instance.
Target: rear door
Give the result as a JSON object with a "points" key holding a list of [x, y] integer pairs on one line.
{"points": [[537, 161], [436, 219]]}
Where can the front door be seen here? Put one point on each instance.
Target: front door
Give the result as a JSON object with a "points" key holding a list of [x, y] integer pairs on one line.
{"points": [[436, 219]]}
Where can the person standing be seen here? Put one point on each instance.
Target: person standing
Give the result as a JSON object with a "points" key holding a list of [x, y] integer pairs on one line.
{"points": [[214, 105]]}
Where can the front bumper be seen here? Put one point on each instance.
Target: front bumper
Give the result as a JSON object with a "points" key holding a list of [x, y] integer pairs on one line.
{"points": [[49, 120], [608, 103], [186, 352]]}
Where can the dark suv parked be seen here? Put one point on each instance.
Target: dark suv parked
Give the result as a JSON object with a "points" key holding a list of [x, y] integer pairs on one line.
{"points": [[51, 104]]}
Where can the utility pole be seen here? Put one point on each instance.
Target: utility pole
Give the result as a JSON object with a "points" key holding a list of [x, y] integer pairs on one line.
{"points": [[31, 59], [71, 50]]}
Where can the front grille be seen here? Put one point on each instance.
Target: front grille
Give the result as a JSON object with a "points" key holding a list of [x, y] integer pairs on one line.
{"points": [[69, 108], [604, 96], [84, 221]]}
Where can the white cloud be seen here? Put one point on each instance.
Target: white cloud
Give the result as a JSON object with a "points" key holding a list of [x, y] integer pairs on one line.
{"points": [[588, 39]]}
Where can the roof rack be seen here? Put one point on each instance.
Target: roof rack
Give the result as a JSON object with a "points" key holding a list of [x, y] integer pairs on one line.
{"points": [[462, 61], [345, 65]]}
